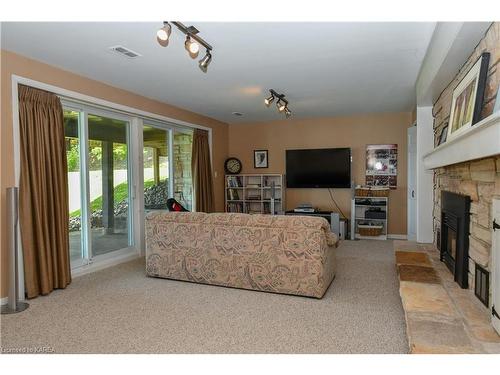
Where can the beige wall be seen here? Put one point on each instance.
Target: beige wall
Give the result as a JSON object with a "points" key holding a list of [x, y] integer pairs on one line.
{"points": [[353, 131], [15, 64]]}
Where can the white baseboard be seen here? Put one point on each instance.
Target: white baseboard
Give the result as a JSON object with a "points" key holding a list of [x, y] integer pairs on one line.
{"points": [[397, 236], [4, 301]]}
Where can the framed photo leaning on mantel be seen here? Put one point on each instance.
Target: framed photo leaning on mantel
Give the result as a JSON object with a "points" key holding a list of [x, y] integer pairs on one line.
{"points": [[442, 135], [467, 100], [260, 159]]}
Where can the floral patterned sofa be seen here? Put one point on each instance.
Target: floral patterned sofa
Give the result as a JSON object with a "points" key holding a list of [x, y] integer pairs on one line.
{"points": [[281, 254]]}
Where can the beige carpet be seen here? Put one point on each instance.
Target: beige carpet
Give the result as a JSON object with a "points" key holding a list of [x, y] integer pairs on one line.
{"points": [[119, 310]]}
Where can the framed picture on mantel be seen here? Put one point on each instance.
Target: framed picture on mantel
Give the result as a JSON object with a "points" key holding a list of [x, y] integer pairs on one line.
{"points": [[467, 100], [443, 135]]}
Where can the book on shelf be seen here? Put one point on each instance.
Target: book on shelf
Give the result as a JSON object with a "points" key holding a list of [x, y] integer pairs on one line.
{"points": [[234, 181], [271, 180], [235, 207], [233, 195]]}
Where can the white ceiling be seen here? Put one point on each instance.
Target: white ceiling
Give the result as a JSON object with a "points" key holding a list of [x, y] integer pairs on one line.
{"points": [[325, 69]]}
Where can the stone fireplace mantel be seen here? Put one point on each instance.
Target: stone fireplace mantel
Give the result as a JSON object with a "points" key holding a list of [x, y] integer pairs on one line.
{"points": [[479, 141]]}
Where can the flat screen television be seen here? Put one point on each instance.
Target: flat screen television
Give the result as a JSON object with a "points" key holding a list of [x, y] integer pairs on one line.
{"points": [[318, 168]]}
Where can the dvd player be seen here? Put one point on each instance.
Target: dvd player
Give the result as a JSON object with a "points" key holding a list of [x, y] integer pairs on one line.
{"points": [[304, 209]]}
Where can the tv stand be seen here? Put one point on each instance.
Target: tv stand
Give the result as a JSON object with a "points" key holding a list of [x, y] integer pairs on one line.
{"points": [[328, 215]]}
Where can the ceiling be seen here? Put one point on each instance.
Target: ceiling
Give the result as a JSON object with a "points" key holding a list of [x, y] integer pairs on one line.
{"points": [[325, 69]]}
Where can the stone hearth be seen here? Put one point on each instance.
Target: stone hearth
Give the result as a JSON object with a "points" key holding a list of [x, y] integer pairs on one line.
{"points": [[440, 316]]}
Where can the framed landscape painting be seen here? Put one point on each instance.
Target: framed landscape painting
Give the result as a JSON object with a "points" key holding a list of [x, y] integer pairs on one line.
{"points": [[468, 98]]}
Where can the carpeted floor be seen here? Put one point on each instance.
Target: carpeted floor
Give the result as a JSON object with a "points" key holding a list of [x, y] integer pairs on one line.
{"points": [[119, 310]]}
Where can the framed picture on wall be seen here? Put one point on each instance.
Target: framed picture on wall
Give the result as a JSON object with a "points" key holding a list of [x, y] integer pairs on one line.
{"points": [[467, 100], [382, 165], [260, 159]]}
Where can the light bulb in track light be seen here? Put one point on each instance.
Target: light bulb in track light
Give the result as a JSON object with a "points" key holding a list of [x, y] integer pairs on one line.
{"points": [[192, 47], [269, 100], [163, 34], [281, 107], [288, 113]]}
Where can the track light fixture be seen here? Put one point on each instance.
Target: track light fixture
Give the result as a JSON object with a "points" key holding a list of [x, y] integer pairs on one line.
{"points": [[281, 104], [163, 34], [205, 61], [192, 43]]}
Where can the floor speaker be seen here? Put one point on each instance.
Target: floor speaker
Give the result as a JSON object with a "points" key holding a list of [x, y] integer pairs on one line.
{"points": [[335, 223], [14, 305]]}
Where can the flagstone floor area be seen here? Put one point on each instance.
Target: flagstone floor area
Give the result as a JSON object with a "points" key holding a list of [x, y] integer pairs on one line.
{"points": [[440, 316]]}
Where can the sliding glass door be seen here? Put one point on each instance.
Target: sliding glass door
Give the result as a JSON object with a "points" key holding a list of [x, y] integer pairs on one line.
{"points": [[109, 187], [103, 179], [99, 178], [167, 166], [157, 166]]}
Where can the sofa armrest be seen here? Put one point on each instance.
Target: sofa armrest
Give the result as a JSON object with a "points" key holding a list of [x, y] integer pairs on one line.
{"points": [[331, 239]]}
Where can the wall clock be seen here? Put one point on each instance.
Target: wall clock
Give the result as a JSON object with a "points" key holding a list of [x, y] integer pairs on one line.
{"points": [[232, 166]]}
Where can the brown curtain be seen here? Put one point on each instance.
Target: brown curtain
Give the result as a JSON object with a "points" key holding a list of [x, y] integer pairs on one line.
{"points": [[43, 192], [202, 172]]}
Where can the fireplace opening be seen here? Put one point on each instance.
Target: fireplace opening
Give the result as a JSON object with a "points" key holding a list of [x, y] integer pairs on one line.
{"points": [[451, 243], [454, 247]]}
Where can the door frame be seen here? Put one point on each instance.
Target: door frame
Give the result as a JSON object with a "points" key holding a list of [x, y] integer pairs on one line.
{"points": [[411, 190], [84, 185]]}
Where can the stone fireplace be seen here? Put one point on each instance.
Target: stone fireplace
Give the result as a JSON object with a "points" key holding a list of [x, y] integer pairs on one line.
{"points": [[477, 178], [454, 247], [479, 181]]}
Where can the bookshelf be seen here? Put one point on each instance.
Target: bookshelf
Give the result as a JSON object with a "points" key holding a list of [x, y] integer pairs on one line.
{"points": [[252, 193]]}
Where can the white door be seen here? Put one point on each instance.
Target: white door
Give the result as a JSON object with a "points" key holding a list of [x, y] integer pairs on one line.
{"points": [[495, 277], [412, 186]]}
